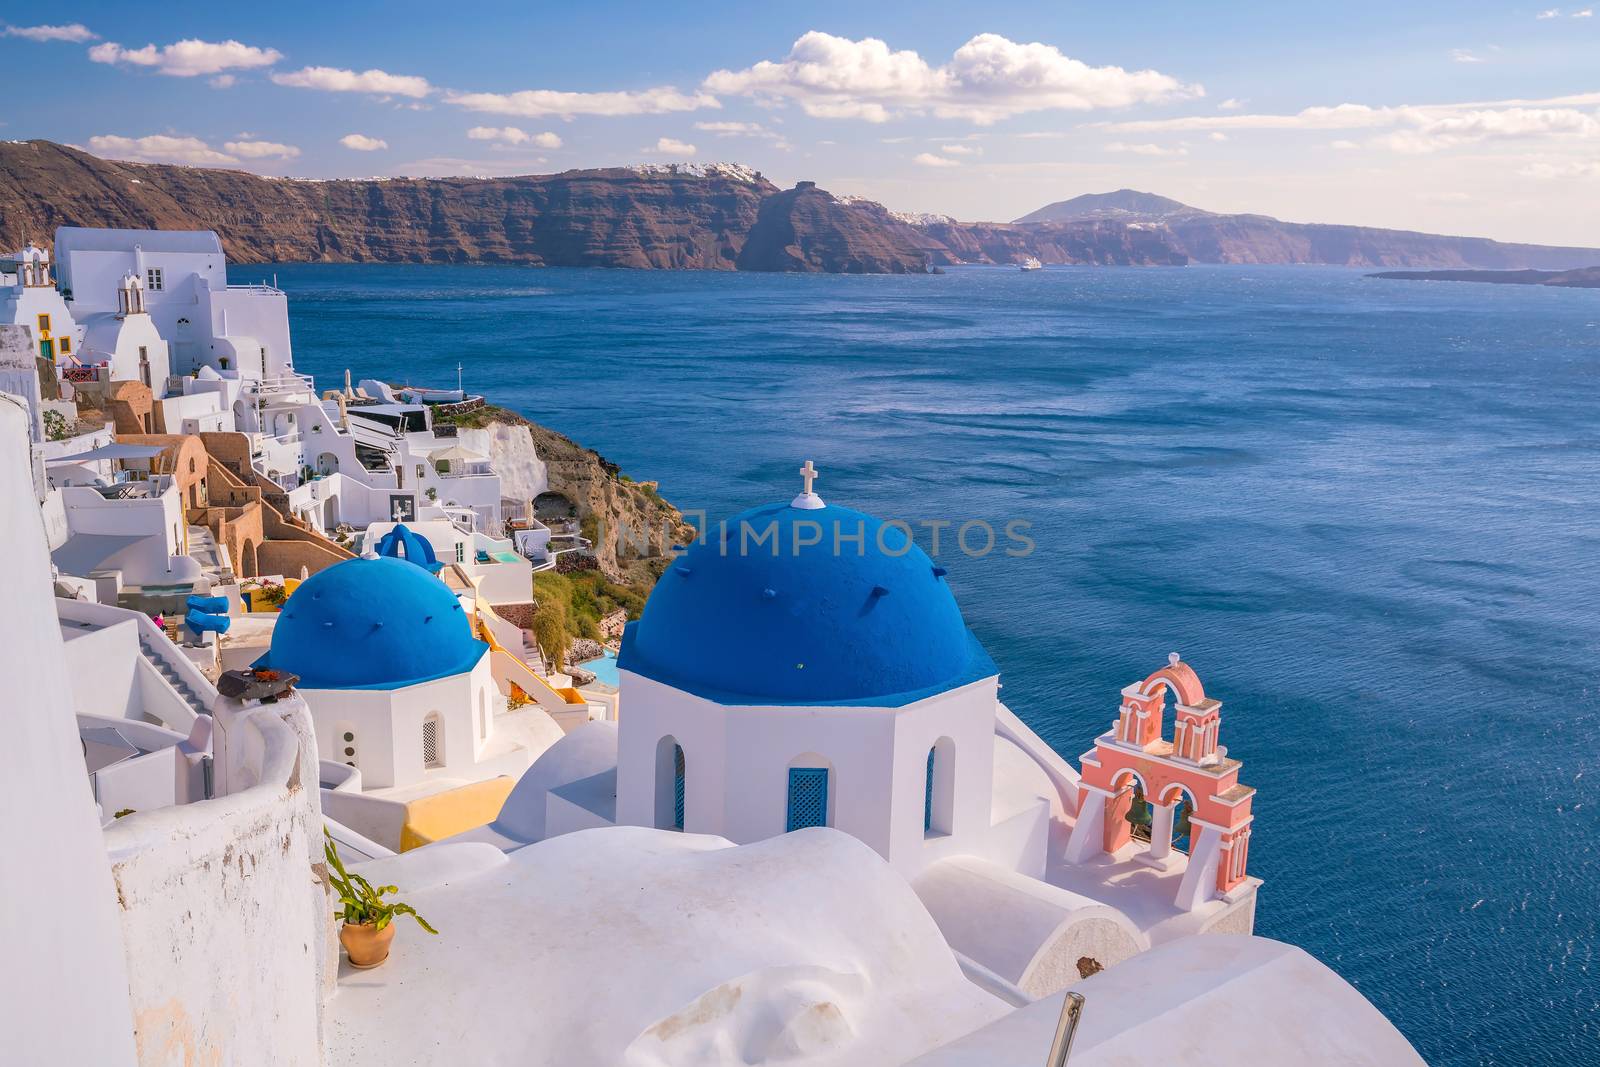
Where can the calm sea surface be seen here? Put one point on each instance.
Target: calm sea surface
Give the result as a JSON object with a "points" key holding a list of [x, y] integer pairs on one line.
{"points": [[1367, 512]]}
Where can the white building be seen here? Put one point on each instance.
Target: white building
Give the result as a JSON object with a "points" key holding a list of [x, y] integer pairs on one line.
{"points": [[242, 328], [127, 341], [28, 297]]}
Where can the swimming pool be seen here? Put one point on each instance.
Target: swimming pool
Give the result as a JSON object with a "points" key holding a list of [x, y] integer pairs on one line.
{"points": [[604, 669]]}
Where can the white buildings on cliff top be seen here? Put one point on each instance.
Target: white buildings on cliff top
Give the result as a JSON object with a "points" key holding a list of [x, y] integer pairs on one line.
{"points": [[809, 833]]}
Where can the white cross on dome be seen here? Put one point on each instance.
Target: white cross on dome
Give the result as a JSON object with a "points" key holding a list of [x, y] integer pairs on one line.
{"points": [[808, 499]]}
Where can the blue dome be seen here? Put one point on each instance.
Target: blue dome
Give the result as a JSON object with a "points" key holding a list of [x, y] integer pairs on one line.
{"points": [[759, 617], [372, 624]]}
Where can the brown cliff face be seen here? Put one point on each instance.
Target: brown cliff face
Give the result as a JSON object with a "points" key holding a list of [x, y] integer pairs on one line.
{"points": [[658, 218], [671, 218], [807, 229]]}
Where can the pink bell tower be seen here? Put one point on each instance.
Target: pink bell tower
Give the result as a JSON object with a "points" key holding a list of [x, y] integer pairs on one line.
{"points": [[1191, 768]]}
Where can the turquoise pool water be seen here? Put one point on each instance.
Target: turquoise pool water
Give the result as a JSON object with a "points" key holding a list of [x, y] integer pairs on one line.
{"points": [[604, 669]]}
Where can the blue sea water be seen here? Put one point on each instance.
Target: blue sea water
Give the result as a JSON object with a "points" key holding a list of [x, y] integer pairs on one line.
{"points": [[1368, 512]]}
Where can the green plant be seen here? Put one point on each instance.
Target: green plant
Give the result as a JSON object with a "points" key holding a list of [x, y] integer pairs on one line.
{"points": [[273, 593], [55, 426], [360, 902]]}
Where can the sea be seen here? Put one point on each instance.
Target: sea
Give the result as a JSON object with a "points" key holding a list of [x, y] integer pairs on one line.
{"points": [[1367, 512]]}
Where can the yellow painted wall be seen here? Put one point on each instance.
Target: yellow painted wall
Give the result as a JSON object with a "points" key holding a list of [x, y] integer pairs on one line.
{"points": [[455, 811]]}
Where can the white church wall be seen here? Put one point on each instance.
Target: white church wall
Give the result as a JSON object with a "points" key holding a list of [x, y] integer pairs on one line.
{"points": [[388, 724], [961, 723]]}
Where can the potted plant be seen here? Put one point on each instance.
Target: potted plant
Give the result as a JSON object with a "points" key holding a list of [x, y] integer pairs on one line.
{"points": [[368, 918]]}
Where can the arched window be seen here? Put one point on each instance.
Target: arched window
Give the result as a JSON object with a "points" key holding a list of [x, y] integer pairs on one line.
{"points": [[432, 741], [938, 794], [808, 794], [671, 784]]}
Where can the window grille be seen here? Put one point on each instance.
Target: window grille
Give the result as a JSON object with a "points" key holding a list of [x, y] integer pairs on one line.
{"points": [[808, 797], [677, 787], [152, 279], [927, 797], [430, 742]]}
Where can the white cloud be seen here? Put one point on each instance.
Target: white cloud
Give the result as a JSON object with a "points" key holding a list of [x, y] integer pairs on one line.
{"points": [[1230, 104], [539, 103], [668, 146], [928, 159], [158, 148], [337, 80], [1586, 13], [360, 142], [1145, 149], [223, 81], [1217, 135], [75, 33], [1552, 13], [1414, 129], [734, 129], [1344, 146], [514, 135], [960, 150], [987, 79], [188, 58], [262, 149], [1431, 133], [1462, 55], [1576, 168]]}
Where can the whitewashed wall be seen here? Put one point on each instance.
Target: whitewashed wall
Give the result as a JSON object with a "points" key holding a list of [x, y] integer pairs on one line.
{"points": [[224, 909], [737, 762], [64, 983]]}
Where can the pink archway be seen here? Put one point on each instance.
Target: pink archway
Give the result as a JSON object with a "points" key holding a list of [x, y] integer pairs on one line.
{"points": [[1191, 762]]}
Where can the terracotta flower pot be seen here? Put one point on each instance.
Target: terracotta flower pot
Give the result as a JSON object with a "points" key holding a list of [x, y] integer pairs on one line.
{"points": [[366, 945]]}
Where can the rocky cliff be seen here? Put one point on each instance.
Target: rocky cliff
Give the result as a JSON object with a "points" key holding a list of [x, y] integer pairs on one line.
{"points": [[667, 217], [807, 229], [634, 529], [711, 217]]}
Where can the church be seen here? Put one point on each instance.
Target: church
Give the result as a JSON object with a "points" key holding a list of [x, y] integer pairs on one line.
{"points": [[806, 665]]}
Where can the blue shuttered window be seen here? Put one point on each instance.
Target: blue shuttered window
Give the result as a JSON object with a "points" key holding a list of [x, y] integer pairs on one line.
{"points": [[808, 797], [927, 797], [677, 787]]}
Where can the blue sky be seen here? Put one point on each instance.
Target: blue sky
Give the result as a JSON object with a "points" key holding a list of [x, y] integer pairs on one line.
{"points": [[1465, 117]]}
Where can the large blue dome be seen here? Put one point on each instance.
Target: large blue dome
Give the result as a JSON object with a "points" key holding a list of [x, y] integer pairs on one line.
{"points": [[372, 624], [758, 615]]}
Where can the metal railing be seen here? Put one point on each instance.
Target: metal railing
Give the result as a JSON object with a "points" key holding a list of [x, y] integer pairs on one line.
{"points": [[1066, 1030]]}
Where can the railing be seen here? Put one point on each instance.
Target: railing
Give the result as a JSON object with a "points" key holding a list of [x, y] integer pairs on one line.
{"points": [[285, 383], [1066, 1030], [259, 288]]}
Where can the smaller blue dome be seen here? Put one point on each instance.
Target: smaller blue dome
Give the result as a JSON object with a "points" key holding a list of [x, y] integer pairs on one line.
{"points": [[372, 624], [402, 543]]}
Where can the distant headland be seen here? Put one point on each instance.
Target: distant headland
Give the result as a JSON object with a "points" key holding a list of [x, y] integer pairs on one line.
{"points": [[1582, 278], [677, 216]]}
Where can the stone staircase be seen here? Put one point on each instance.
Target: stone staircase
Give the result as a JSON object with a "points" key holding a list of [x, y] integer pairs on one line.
{"points": [[195, 701]]}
